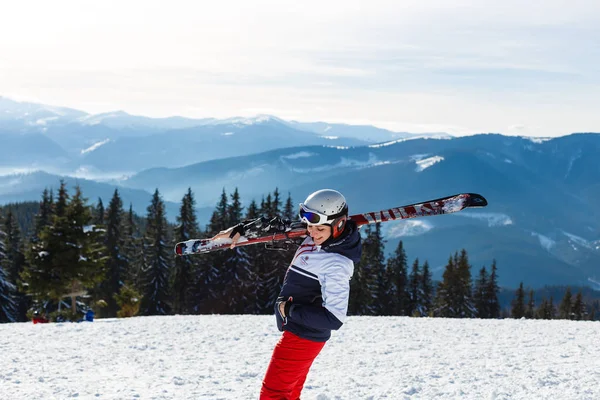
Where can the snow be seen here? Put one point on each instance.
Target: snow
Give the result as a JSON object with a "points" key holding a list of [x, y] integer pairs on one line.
{"points": [[44, 121], [227, 134], [95, 146], [545, 241], [408, 228], [343, 163], [427, 137], [427, 162], [301, 154], [537, 140], [225, 357], [330, 137], [579, 240], [493, 219]]}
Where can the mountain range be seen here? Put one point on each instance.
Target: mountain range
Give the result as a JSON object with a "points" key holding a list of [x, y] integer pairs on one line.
{"points": [[542, 225]]}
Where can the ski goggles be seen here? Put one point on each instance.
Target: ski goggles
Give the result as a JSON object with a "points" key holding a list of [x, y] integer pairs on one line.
{"points": [[312, 217]]}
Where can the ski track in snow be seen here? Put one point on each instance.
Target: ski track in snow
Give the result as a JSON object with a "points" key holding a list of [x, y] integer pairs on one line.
{"points": [[225, 357]]}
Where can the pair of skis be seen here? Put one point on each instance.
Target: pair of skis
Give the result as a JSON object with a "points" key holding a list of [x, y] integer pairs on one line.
{"points": [[445, 205]]}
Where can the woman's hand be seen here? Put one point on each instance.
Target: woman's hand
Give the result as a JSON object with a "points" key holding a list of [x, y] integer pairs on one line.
{"points": [[226, 234], [282, 309]]}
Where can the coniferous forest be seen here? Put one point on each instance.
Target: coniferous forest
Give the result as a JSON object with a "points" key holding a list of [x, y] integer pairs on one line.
{"points": [[65, 255]]}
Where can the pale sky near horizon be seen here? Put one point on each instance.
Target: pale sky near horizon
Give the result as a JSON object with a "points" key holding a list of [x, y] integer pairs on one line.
{"points": [[466, 66]]}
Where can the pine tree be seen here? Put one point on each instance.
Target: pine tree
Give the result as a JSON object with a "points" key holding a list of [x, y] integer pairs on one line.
{"points": [[546, 309], [8, 307], [289, 211], [493, 305], [255, 255], [14, 264], [132, 250], [464, 300], [383, 304], [185, 267], [98, 217], [480, 295], [565, 308], [397, 268], [69, 253], [579, 308], [414, 297], [363, 285], [44, 217], [116, 263], [551, 308], [157, 268], [443, 304], [426, 290], [237, 270], [518, 305], [530, 310]]}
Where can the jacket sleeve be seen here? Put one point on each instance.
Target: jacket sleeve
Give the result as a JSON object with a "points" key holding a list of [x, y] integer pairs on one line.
{"points": [[335, 291]]}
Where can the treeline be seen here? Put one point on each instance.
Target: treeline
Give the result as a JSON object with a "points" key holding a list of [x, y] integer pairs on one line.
{"points": [[393, 287], [110, 260], [570, 307], [74, 256]]}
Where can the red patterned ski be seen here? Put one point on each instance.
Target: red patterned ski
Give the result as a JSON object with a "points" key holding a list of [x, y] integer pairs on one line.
{"points": [[444, 205]]}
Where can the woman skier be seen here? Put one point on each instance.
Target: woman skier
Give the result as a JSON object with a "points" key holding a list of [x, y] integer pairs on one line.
{"points": [[315, 291]]}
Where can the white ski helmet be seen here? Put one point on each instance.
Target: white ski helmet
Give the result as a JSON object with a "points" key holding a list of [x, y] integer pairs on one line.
{"points": [[325, 207]]}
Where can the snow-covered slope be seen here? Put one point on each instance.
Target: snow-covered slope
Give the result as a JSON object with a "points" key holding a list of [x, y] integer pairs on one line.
{"points": [[225, 357]]}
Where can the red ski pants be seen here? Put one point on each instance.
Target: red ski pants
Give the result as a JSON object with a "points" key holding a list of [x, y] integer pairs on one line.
{"points": [[291, 360]]}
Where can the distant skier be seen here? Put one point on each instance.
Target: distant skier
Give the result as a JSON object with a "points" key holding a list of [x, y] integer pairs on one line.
{"points": [[315, 292], [38, 318]]}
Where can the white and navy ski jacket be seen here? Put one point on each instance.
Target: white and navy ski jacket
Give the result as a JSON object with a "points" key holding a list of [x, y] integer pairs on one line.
{"points": [[318, 280]]}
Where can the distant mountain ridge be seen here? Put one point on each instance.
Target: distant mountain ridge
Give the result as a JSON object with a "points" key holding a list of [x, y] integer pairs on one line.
{"points": [[89, 141], [542, 225]]}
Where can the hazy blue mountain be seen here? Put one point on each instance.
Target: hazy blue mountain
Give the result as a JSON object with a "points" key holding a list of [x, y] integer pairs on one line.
{"points": [[93, 142], [542, 224], [363, 132], [29, 187], [23, 116], [187, 146], [30, 151]]}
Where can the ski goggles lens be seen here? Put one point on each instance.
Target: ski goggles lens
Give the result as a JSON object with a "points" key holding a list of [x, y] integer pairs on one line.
{"points": [[312, 217]]}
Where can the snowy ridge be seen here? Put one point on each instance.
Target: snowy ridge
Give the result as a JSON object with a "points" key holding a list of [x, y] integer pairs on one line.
{"points": [[410, 227], [225, 357], [427, 162], [578, 240], [99, 118], [435, 137], [537, 140], [493, 219], [95, 146], [545, 241]]}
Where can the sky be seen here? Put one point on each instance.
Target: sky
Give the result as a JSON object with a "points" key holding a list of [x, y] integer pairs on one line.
{"points": [[462, 67]]}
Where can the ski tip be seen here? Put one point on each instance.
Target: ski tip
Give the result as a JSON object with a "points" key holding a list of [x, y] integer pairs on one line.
{"points": [[476, 200], [179, 248]]}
